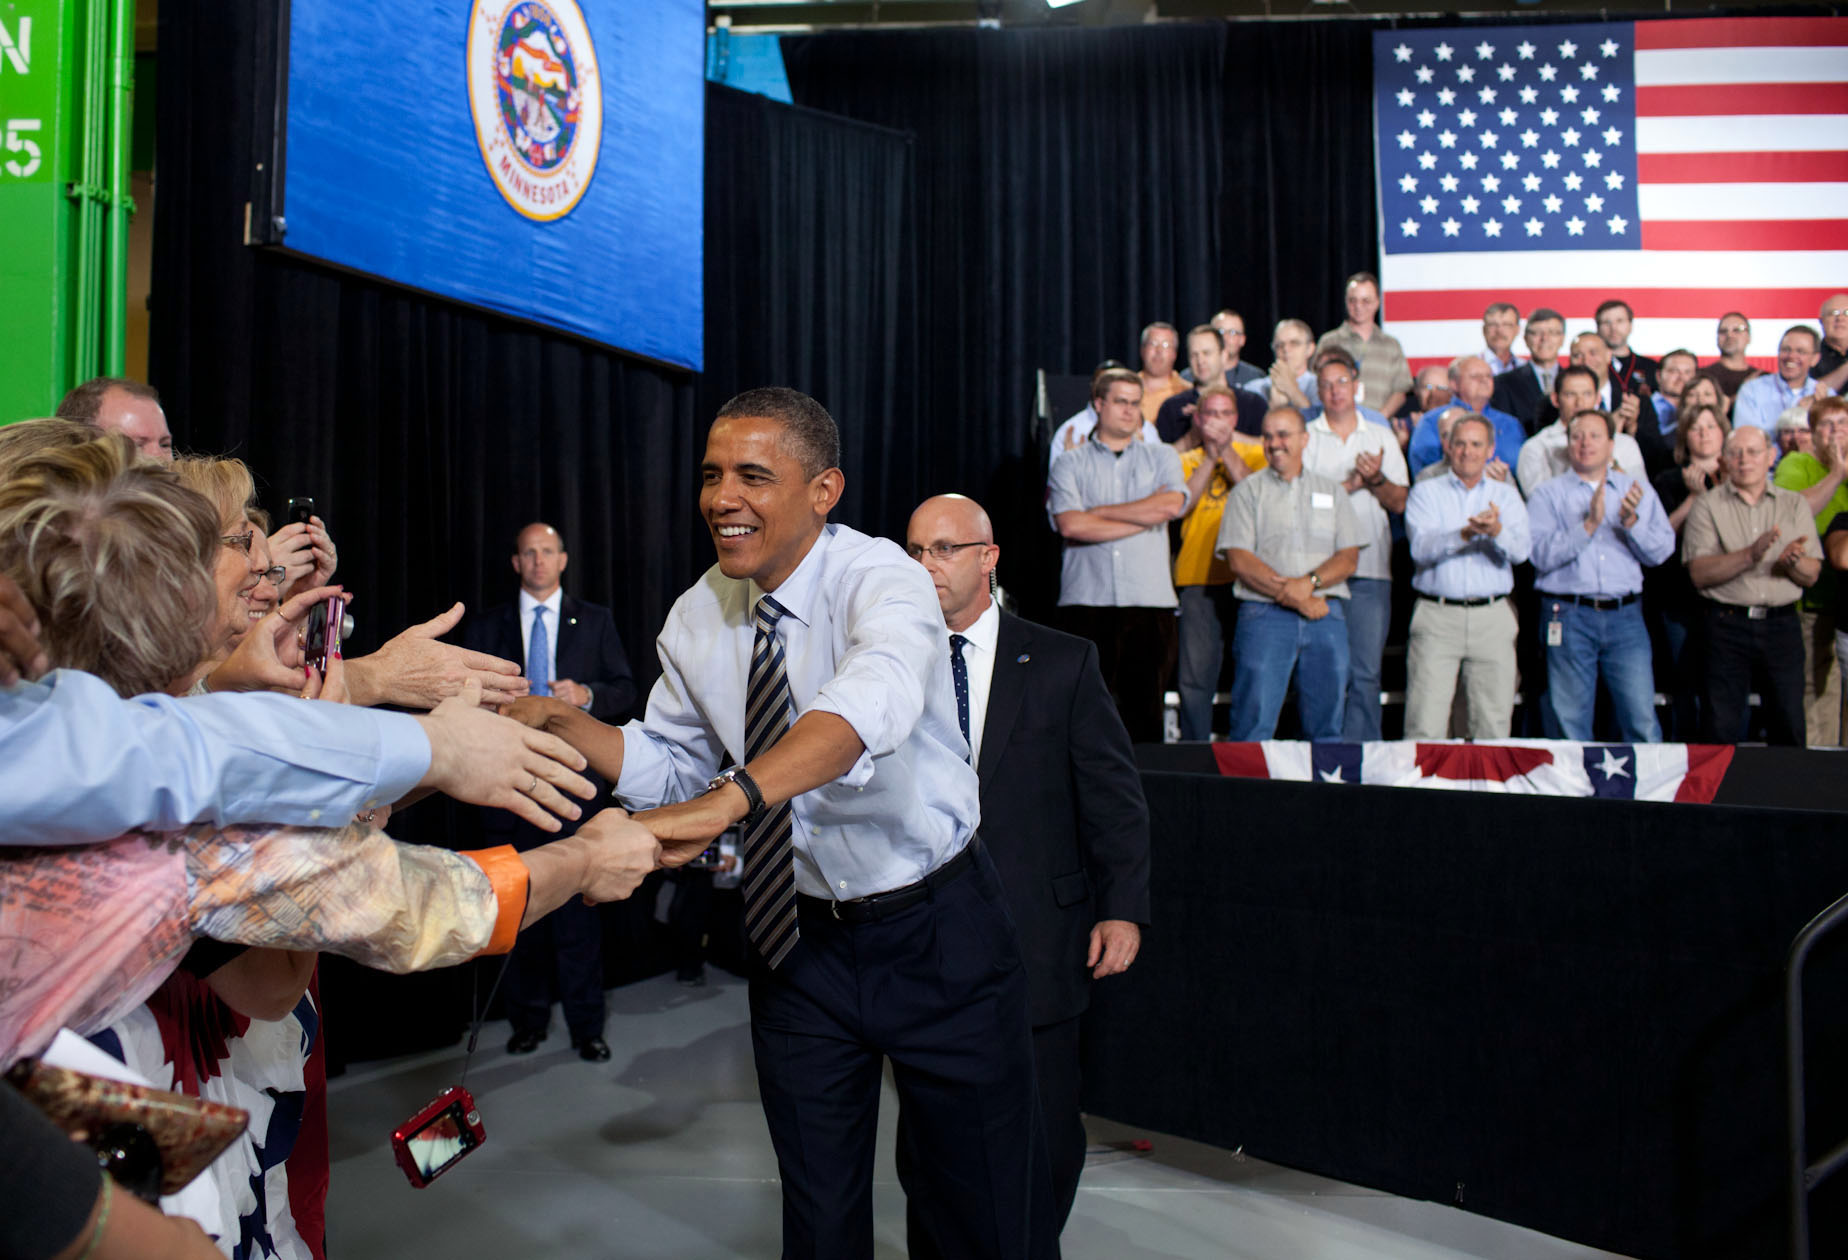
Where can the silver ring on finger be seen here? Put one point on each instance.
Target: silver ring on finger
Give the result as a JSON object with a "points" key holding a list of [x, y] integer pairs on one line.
{"points": [[533, 786]]}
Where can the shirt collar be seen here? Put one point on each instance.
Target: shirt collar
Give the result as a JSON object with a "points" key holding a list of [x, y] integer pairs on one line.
{"points": [[552, 603], [984, 630], [797, 592]]}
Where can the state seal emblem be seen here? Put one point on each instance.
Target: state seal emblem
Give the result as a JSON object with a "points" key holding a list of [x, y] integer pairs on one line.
{"points": [[537, 99]]}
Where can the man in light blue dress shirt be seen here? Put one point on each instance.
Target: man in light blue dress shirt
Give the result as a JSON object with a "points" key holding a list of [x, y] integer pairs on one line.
{"points": [[903, 947], [1595, 529], [1763, 399], [1467, 531]]}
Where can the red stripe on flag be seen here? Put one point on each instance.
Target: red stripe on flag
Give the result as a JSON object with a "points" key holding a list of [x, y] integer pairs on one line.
{"points": [[1471, 762], [1416, 364], [1683, 100], [1741, 33], [1647, 303], [1241, 761], [1793, 234], [1742, 168], [1707, 765]]}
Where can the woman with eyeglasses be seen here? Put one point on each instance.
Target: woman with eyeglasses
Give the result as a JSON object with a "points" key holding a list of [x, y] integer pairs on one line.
{"points": [[242, 573]]}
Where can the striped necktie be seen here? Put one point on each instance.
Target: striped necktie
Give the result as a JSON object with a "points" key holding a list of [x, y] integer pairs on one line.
{"points": [[769, 855]]}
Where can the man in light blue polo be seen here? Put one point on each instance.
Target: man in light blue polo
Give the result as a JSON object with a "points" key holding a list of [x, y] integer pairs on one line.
{"points": [[1595, 528], [1111, 500], [1293, 540]]}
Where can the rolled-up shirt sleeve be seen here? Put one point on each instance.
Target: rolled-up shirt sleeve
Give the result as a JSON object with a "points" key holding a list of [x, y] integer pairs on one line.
{"points": [[672, 752], [895, 636]]}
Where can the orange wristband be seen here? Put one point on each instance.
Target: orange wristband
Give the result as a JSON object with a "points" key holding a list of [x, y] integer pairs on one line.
{"points": [[507, 874]]}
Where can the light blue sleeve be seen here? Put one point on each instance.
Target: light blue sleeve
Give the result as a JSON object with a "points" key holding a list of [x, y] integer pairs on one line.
{"points": [[80, 764]]}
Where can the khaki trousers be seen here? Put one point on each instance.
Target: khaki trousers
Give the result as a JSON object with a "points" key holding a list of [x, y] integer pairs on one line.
{"points": [[1479, 642], [1822, 681]]}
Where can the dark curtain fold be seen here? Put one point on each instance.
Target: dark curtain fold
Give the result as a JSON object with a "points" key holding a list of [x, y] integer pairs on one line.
{"points": [[810, 282], [1067, 191], [1299, 214]]}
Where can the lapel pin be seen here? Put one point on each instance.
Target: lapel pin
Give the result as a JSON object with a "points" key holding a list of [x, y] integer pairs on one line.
{"points": [[571, 621], [1023, 658]]}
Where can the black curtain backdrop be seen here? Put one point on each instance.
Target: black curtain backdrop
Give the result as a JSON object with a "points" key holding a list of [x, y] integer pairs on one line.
{"points": [[811, 282], [1067, 192]]}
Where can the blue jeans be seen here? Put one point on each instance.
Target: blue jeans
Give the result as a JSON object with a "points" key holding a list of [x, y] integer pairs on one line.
{"points": [[1369, 609], [1269, 643], [1613, 642], [1207, 612]]}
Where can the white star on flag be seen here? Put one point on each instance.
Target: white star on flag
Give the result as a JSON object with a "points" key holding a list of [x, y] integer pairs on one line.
{"points": [[1548, 73], [1333, 776], [1451, 227], [1443, 52], [1402, 53], [1608, 48], [1511, 204], [1485, 50], [1407, 97], [1613, 766], [1408, 183], [1575, 225], [1425, 74], [1467, 161], [1428, 205], [1618, 224], [1409, 227], [1568, 50], [1492, 227], [1466, 74], [1526, 51], [1593, 204], [1505, 72], [1552, 203], [1470, 205], [1534, 227], [1613, 180]]}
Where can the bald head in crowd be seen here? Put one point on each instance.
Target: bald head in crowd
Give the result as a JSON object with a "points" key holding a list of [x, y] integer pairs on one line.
{"points": [[955, 523], [116, 404]]}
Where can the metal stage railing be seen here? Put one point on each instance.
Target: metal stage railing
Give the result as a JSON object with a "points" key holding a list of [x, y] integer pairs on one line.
{"points": [[1804, 1175]]}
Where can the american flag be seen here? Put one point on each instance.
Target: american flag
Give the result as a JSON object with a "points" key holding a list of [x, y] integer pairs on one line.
{"points": [[1689, 167]]}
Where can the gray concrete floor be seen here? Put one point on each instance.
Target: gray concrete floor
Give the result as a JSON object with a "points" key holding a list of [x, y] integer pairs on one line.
{"points": [[662, 1152]]}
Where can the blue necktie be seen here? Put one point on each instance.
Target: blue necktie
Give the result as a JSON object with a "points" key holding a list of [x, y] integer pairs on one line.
{"points": [[959, 673], [538, 654], [769, 854]]}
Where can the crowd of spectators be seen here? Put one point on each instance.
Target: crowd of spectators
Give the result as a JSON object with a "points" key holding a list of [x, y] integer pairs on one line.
{"points": [[1574, 539], [194, 810]]}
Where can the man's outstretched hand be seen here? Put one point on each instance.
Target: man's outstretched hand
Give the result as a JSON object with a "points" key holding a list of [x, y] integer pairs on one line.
{"points": [[485, 759]]}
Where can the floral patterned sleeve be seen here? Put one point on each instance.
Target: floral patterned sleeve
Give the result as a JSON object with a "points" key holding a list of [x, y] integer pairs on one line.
{"points": [[352, 891]]}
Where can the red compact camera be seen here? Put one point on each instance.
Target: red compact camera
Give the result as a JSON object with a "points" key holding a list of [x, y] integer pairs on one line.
{"points": [[434, 1140]]}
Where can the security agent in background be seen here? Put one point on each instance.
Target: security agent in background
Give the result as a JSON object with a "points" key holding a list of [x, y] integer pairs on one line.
{"points": [[1062, 813], [572, 651], [816, 659]]}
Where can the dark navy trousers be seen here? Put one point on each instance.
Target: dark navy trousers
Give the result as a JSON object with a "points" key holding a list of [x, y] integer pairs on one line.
{"points": [[939, 989]]}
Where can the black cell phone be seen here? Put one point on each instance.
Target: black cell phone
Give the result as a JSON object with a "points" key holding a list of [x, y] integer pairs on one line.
{"points": [[300, 509]]}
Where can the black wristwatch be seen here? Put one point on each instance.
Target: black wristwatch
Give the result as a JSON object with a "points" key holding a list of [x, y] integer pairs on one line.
{"points": [[753, 796]]}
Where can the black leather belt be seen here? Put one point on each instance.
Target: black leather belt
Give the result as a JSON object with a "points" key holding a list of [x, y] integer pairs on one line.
{"points": [[884, 905], [1462, 603], [1592, 601], [1754, 612]]}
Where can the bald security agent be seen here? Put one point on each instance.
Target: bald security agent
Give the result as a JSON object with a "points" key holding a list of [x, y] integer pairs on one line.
{"points": [[1062, 814]]}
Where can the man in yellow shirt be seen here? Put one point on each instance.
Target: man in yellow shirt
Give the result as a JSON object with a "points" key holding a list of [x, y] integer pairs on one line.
{"points": [[1220, 460]]}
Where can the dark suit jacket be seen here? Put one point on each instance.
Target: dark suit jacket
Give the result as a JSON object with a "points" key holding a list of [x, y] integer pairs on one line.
{"points": [[1519, 394], [589, 652], [1063, 815]]}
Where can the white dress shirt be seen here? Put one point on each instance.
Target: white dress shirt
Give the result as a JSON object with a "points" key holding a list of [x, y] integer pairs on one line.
{"points": [[552, 603], [979, 660], [1332, 456], [863, 639], [1544, 456]]}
